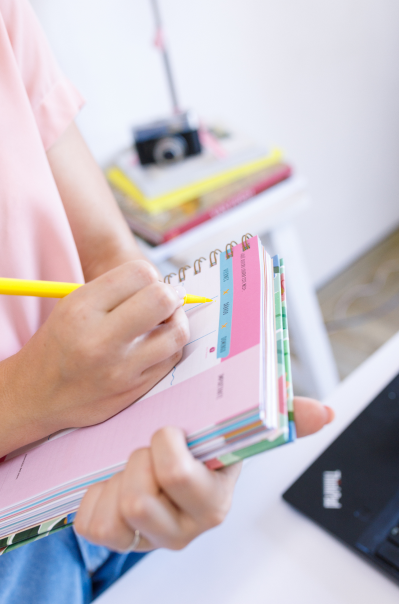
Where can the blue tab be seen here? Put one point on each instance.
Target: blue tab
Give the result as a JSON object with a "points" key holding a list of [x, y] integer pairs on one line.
{"points": [[226, 306]]}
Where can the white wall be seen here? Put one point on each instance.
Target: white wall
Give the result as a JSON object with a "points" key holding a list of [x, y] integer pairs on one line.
{"points": [[319, 77]]}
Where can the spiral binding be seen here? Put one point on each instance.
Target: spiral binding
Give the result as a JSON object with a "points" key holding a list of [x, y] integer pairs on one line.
{"points": [[215, 260], [197, 269], [244, 241], [212, 258], [182, 272], [167, 278], [229, 249]]}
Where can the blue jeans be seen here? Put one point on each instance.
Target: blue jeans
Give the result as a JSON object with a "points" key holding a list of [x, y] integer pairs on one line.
{"points": [[60, 569]]}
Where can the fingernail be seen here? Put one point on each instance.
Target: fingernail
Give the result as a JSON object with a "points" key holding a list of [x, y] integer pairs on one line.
{"points": [[329, 413], [180, 290]]}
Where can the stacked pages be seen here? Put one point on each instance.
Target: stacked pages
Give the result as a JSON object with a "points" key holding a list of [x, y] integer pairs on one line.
{"points": [[231, 393]]}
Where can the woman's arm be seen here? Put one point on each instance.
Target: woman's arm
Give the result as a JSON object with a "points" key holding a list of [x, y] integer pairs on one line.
{"points": [[101, 234], [107, 343]]}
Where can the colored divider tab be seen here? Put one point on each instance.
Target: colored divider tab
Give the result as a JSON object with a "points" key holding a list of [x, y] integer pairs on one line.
{"points": [[245, 330], [226, 306]]}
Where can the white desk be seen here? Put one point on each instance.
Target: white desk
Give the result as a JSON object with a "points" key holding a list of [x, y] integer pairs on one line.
{"points": [[270, 214], [266, 552]]}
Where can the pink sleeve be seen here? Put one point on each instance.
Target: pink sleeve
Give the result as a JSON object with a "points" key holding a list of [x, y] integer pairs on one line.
{"points": [[54, 100]]}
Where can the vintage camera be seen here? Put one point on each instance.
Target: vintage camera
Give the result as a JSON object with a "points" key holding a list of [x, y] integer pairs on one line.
{"points": [[168, 141]]}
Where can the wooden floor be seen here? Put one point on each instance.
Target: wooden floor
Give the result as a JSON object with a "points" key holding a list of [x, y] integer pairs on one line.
{"points": [[361, 305]]}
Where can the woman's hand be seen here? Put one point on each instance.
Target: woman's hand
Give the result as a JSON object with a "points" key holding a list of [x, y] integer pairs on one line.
{"points": [[163, 491], [166, 494], [102, 347]]}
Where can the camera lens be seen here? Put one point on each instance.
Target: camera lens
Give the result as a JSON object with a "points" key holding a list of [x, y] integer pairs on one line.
{"points": [[170, 149]]}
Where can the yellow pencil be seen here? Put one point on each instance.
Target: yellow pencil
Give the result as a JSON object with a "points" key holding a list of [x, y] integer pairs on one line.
{"points": [[55, 289]]}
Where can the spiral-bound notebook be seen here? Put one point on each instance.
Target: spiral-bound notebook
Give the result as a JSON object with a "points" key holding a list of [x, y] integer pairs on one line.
{"points": [[231, 393]]}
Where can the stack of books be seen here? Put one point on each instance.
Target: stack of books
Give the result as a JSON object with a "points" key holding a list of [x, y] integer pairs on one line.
{"points": [[231, 394], [162, 202]]}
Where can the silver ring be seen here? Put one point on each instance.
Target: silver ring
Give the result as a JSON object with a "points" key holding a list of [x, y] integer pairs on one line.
{"points": [[135, 542]]}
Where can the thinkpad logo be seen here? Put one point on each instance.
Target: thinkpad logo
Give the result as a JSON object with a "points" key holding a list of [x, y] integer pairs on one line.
{"points": [[332, 491]]}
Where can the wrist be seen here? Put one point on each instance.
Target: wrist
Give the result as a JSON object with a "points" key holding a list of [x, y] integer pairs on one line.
{"points": [[11, 425], [17, 426]]}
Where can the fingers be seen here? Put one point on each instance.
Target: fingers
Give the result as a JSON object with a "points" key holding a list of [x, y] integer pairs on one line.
{"points": [[231, 472], [98, 518], [310, 415], [152, 375], [163, 492], [117, 285], [145, 507], [203, 494], [111, 512], [86, 508], [163, 342], [145, 310]]}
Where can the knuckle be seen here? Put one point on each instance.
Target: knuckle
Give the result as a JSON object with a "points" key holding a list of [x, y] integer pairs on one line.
{"points": [[143, 271], [79, 526], [180, 543], [216, 516], [176, 357], [181, 332], [89, 351], [165, 439], [99, 532], [73, 312], [133, 507], [115, 376], [165, 299], [175, 476]]}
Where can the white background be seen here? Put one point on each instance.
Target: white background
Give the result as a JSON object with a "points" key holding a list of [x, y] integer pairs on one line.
{"points": [[320, 78]]}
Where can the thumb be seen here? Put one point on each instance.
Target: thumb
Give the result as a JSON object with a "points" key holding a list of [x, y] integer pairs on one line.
{"points": [[310, 415]]}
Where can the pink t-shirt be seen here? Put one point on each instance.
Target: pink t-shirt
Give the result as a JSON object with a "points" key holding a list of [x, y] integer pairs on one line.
{"points": [[37, 103]]}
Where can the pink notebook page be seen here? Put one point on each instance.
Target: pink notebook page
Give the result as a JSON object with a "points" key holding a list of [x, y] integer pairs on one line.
{"points": [[191, 405]]}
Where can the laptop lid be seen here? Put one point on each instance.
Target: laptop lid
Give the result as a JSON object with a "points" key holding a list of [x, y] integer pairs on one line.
{"points": [[352, 489]]}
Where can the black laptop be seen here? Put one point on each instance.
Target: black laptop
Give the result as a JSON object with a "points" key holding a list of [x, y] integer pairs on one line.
{"points": [[352, 489]]}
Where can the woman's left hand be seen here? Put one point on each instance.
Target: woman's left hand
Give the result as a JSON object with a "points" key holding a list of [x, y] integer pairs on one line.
{"points": [[166, 494]]}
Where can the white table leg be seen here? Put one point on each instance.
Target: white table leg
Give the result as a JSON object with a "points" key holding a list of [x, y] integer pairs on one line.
{"points": [[304, 315]]}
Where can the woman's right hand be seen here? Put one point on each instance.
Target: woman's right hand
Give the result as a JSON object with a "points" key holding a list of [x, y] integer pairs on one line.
{"points": [[103, 346]]}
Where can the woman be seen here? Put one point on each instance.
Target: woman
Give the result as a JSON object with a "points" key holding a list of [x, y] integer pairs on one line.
{"points": [[83, 359]]}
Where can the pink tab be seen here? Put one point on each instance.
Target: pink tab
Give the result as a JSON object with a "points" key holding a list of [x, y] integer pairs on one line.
{"points": [[245, 329]]}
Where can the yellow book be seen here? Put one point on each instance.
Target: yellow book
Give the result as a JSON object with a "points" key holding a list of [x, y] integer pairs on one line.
{"points": [[173, 198]]}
